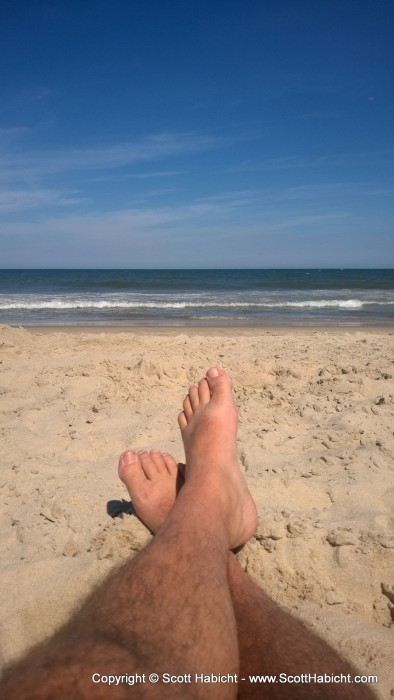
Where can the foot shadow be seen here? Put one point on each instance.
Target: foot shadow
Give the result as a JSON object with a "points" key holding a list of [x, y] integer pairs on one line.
{"points": [[117, 509]]}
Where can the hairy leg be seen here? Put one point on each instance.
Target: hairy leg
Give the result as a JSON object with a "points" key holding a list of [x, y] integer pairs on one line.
{"points": [[270, 640], [169, 609], [273, 642]]}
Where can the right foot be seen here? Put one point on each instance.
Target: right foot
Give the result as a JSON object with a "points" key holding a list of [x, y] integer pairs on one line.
{"points": [[208, 425], [153, 480]]}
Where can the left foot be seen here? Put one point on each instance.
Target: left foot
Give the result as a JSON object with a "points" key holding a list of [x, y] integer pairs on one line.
{"points": [[153, 480]]}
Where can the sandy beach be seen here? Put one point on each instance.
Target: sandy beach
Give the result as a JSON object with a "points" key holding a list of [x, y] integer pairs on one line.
{"points": [[315, 441]]}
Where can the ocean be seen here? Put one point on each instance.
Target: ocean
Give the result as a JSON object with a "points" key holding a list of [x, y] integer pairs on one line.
{"points": [[197, 297]]}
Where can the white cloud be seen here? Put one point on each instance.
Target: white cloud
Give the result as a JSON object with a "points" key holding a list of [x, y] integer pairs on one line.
{"points": [[12, 201], [226, 214], [356, 159], [232, 229], [41, 164], [118, 177]]}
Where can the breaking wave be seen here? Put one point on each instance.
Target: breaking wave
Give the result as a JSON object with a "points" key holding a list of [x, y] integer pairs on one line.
{"points": [[66, 304]]}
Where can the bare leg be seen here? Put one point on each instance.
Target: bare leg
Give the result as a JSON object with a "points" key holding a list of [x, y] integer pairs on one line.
{"points": [[169, 609], [271, 641]]}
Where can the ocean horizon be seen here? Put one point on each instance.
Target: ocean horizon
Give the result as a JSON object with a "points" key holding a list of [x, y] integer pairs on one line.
{"points": [[230, 297]]}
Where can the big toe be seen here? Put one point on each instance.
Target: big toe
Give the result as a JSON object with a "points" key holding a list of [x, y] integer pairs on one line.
{"points": [[130, 469], [219, 383]]}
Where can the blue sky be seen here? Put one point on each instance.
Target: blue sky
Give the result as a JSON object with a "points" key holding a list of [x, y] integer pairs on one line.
{"points": [[185, 134]]}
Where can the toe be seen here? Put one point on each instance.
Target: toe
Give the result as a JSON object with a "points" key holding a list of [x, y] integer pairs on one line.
{"points": [[127, 459], [219, 382], [130, 469], [204, 392], [194, 396], [170, 463], [158, 459], [187, 408], [182, 420], [214, 372], [148, 465]]}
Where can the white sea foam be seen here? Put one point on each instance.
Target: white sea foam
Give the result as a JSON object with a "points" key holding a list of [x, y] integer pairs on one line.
{"points": [[67, 304]]}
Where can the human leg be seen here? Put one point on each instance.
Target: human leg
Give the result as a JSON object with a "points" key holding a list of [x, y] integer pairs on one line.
{"points": [[271, 641], [169, 609]]}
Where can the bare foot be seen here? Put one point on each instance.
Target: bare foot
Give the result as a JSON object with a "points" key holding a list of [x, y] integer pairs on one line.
{"points": [[153, 480], [208, 425]]}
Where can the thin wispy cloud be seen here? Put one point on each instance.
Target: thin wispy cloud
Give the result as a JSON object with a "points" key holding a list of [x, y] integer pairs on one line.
{"points": [[44, 163], [132, 219], [114, 176], [26, 97], [14, 201], [290, 162], [13, 132], [148, 235], [248, 203], [222, 212]]}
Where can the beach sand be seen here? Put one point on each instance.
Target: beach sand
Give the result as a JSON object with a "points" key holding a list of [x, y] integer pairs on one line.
{"points": [[315, 440]]}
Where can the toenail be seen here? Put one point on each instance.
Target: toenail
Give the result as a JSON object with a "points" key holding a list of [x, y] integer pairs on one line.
{"points": [[213, 373], [129, 457]]}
